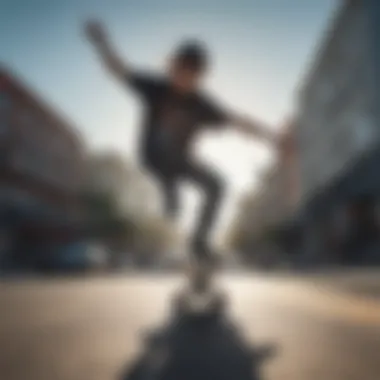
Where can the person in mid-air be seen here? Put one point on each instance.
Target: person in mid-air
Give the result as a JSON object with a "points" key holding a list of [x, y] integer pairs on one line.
{"points": [[176, 110]]}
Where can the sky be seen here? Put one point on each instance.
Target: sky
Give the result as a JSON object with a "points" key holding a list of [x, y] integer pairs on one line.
{"points": [[261, 51]]}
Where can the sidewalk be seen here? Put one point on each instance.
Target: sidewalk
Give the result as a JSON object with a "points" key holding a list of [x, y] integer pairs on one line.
{"points": [[357, 282], [362, 282]]}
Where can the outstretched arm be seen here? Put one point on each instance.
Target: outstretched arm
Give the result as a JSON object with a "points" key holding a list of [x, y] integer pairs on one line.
{"points": [[215, 114], [254, 128], [97, 35]]}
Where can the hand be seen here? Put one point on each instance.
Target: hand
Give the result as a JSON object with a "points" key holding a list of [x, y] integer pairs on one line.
{"points": [[95, 32], [282, 145]]}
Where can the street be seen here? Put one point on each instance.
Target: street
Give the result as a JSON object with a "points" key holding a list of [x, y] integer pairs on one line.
{"points": [[93, 328]]}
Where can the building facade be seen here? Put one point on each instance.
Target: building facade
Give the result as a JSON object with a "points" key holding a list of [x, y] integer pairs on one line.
{"points": [[338, 130], [280, 188], [273, 204], [42, 161], [288, 167], [337, 110]]}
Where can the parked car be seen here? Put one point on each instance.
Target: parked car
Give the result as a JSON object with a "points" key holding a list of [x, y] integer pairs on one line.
{"points": [[73, 257]]}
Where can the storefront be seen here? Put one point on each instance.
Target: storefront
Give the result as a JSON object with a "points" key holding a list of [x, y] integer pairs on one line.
{"points": [[30, 227], [342, 221], [42, 168]]}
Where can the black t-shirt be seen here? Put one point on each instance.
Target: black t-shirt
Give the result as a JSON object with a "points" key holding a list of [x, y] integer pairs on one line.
{"points": [[171, 119]]}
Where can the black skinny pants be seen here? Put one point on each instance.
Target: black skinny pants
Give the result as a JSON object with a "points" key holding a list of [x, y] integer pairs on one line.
{"points": [[169, 177]]}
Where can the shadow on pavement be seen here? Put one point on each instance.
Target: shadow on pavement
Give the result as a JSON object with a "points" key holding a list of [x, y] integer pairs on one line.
{"points": [[198, 350]]}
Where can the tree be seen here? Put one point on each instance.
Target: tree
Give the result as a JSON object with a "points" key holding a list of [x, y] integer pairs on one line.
{"points": [[99, 205], [105, 222]]}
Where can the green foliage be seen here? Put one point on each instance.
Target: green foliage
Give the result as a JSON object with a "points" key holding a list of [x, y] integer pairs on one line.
{"points": [[99, 205], [103, 216], [149, 234]]}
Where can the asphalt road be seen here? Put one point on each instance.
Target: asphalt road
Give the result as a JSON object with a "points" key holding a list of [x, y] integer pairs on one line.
{"points": [[95, 328]]}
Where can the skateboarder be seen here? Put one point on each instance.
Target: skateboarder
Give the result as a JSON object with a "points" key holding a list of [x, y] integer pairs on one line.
{"points": [[176, 110]]}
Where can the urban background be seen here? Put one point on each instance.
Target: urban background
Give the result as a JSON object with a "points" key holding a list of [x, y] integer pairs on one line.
{"points": [[92, 281], [318, 203], [63, 205]]}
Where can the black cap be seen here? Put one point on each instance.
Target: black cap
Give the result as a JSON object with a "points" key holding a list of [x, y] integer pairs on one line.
{"points": [[192, 53]]}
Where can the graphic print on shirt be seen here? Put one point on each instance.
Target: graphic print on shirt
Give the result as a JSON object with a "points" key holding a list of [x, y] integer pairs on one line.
{"points": [[175, 124]]}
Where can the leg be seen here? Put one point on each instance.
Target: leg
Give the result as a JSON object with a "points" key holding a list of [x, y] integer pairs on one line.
{"points": [[212, 187], [170, 192]]}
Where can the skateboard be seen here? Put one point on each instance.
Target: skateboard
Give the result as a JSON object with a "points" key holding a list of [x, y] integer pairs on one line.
{"points": [[199, 341], [201, 298]]}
